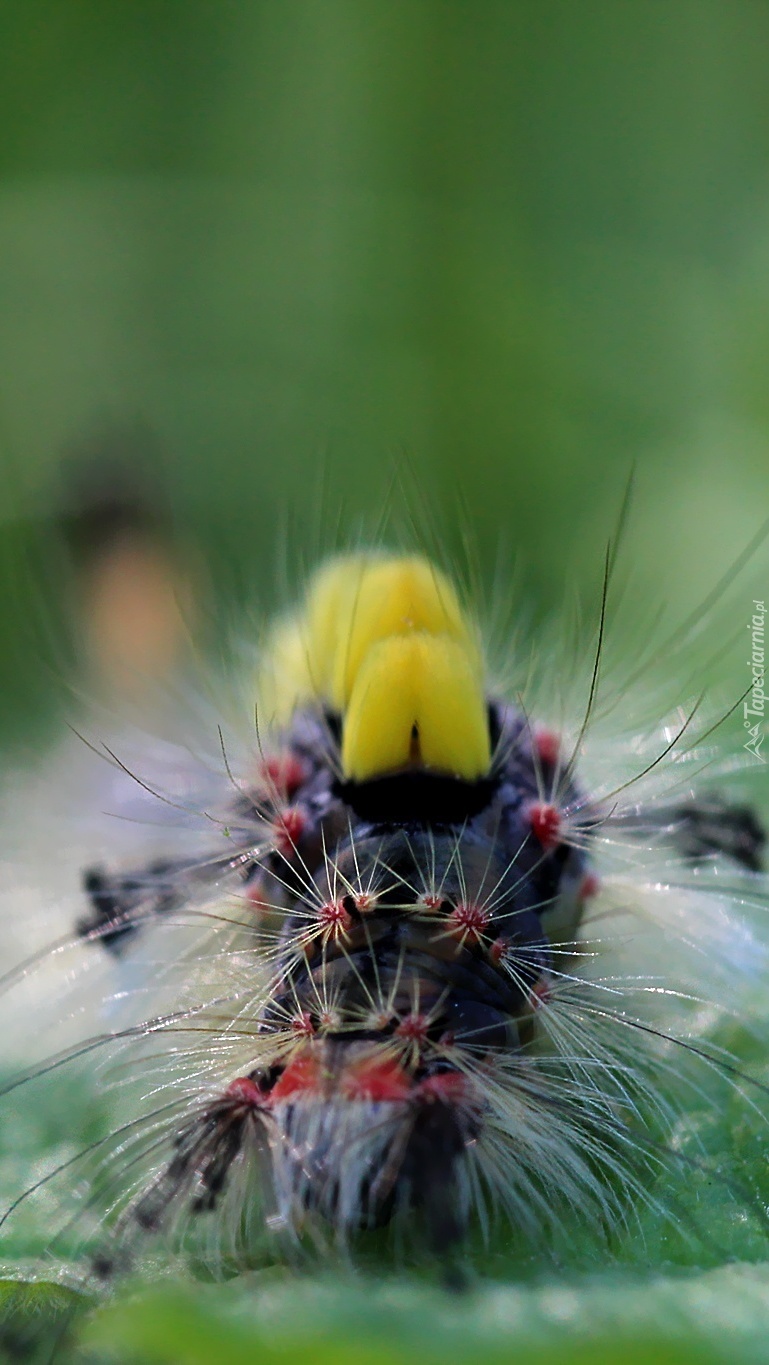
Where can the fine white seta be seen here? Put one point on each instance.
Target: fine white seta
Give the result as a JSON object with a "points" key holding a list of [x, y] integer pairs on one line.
{"points": [[422, 958]]}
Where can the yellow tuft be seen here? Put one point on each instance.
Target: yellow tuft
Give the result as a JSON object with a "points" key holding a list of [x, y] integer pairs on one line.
{"points": [[416, 701], [386, 644]]}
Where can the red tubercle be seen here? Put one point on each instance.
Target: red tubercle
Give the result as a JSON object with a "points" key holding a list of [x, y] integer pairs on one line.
{"points": [[335, 918], [429, 901], [302, 1076], [289, 826], [244, 1091], [469, 921], [285, 772], [364, 902], [255, 896], [414, 1028], [546, 822], [377, 1081], [539, 994], [448, 1087], [547, 744], [499, 950], [303, 1025], [589, 886]]}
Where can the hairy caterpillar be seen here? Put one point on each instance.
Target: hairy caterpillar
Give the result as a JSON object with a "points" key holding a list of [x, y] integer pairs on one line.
{"points": [[416, 958]]}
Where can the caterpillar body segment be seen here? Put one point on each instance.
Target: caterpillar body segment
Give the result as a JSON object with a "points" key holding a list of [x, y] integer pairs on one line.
{"points": [[417, 1030]]}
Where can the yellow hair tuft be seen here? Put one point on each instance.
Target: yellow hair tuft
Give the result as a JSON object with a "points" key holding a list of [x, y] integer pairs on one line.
{"points": [[385, 643]]}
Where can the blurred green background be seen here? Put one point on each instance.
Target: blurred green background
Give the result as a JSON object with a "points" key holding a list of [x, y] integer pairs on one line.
{"points": [[510, 246]]}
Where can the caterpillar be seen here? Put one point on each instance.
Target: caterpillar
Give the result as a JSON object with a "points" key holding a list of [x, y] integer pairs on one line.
{"points": [[418, 962]]}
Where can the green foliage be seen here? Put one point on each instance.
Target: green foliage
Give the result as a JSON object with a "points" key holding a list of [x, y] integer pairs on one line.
{"points": [[521, 249], [704, 1320]]}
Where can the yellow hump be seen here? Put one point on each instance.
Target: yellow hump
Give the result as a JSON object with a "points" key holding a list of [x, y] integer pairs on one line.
{"points": [[386, 644]]}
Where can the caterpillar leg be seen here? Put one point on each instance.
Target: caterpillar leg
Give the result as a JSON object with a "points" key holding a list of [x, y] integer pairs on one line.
{"points": [[701, 828], [121, 902]]}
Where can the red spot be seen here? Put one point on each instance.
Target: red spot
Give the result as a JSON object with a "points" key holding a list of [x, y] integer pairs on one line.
{"points": [[545, 823], [258, 894], [336, 920], [540, 993], [548, 746], [414, 1027], [285, 772], [430, 901], [468, 921], [245, 1091], [499, 950], [255, 895], [364, 901], [303, 1025], [376, 1081], [448, 1086], [589, 886], [289, 827], [301, 1076]]}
